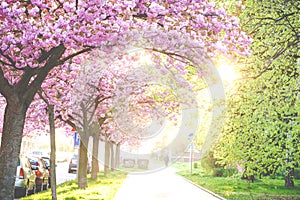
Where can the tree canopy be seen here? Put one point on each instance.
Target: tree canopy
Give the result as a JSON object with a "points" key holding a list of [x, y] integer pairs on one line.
{"points": [[37, 36], [262, 130]]}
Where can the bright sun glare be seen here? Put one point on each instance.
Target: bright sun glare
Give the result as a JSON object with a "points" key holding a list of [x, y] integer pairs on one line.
{"points": [[227, 72]]}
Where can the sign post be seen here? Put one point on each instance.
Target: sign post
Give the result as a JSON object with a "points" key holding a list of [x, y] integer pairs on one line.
{"points": [[191, 157], [76, 140], [191, 148], [76, 147]]}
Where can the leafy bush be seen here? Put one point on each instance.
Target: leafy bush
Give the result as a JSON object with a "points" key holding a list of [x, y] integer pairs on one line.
{"points": [[221, 172], [195, 165], [230, 172], [297, 173], [218, 172], [208, 163]]}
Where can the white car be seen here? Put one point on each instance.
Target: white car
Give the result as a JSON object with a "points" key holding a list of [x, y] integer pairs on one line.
{"points": [[25, 178]]}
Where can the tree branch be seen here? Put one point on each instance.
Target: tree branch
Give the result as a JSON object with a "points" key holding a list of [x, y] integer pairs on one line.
{"points": [[69, 122], [41, 74], [277, 19], [6, 88], [77, 53]]}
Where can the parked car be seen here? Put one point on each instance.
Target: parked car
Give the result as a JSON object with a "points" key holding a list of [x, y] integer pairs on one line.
{"points": [[47, 163], [42, 174], [25, 178], [73, 165]]}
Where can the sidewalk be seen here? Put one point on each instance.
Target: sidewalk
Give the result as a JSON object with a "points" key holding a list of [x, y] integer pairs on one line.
{"points": [[164, 184]]}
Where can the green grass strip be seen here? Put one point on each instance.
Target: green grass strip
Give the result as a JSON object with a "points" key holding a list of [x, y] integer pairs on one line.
{"points": [[103, 188], [234, 188]]}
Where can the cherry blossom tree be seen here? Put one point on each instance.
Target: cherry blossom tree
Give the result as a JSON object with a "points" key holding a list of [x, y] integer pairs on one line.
{"points": [[102, 98], [50, 104], [90, 89], [55, 95], [37, 36]]}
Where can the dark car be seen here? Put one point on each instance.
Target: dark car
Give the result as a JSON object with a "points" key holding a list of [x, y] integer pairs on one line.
{"points": [[47, 163], [42, 174], [25, 178], [73, 165]]}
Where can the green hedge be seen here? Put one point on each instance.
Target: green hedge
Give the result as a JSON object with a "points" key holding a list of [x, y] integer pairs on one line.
{"points": [[297, 173], [221, 172], [195, 165], [208, 163]]}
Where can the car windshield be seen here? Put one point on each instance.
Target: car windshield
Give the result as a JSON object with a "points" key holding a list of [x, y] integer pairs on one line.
{"points": [[47, 161], [75, 157], [34, 161]]}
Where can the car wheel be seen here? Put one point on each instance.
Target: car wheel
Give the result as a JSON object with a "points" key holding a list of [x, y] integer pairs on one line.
{"points": [[21, 192], [25, 191], [42, 186], [39, 188], [32, 191]]}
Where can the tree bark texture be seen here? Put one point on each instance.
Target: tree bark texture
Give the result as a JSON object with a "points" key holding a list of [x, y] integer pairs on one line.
{"points": [[106, 157], [289, 181], [95, 165], [14, 119], [52, 153], [118, 146], [112, 157], [82, 165]]}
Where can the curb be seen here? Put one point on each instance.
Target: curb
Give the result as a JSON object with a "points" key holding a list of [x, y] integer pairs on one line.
{"points": [[202, 188]]}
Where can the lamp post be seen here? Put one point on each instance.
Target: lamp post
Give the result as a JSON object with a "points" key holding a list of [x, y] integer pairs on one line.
{"points": [[191, 157], [191, 147]]}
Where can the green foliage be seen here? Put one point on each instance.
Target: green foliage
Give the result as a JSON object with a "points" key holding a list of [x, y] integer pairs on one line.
{"points": [[262, 124], [297, 173], [218, 172], [195, 165], [232, 7], [224, 172], [194, 80], [209, 163]]}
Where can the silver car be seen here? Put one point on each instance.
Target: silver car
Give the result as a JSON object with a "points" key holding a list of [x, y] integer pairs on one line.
{"points": [[73, 165], [25, 178]]}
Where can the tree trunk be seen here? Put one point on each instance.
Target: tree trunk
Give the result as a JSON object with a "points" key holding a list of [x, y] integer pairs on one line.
{"points": [[106, 157], [118, 155], [83, 149], [14, 119], [52, 153], [82, 165], [112, 157], [289, 181], [19, 97], [95, 165]]}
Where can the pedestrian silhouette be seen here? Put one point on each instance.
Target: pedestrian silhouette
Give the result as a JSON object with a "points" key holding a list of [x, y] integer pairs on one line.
{"points": [[166, 160]]}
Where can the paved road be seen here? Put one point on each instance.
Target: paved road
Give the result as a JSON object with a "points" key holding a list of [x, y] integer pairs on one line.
{"points": [[62, 174], [164, 184]]}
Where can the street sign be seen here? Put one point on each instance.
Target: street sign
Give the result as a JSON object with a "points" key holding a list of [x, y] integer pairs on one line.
{"points": [[191, 146], [191, 134], [76, 139]]}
